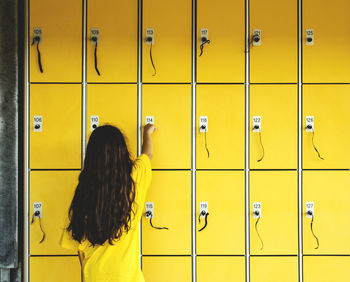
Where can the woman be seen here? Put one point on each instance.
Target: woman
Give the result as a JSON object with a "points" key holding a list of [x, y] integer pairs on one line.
{"points": [[106, 210]]}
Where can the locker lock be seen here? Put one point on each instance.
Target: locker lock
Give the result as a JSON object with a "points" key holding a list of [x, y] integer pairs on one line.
{"points": [[256, 213], [36, 39], [37, 214], [37, 126], [94, 126], [203, 127], [256, 38], [309, 213], [94, 39], [148, 214], [256, 127], [309, 127], [149, 39], [309, 39]]}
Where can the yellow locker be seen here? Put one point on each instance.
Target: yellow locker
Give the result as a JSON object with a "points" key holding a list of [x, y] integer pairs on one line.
{"points": [[274, 41], [223, 106], [276, 145], [170, 107], [114, 105], [274, 269], [60, 45], [330, 194], [328, 105], [170, 193], [55, 126], [54, 269], [170, 269], [277, 193], [116, 22], [223, 191], [171, 22], [222, 60], [326, 44], [325, 269], [222, 269], [54, 190]]}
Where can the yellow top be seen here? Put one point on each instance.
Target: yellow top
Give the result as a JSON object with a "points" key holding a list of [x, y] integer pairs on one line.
{"points": [[118, 262]]}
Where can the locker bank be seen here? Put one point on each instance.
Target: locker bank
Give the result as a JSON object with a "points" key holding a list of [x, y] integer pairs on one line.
{"points": [[251, 161]]}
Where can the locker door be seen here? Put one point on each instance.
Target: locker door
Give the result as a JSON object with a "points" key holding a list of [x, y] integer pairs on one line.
{"points": [[222, 60], [170, 269], [275, 147], [274, 269], [61, 40], [54, 269], [54, 190], [325, 269], [171, 50], [328, 104], [114, 105], [224, 234], [275, 57], [327, 58], [55, 126], [223, 105], [170, 105], [170, 193], [116, 22], [277, 191], [220, 269], [330, 193]]}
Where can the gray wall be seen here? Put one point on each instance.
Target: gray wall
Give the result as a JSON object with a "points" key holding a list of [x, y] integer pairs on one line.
{"points": [[9, 146]]}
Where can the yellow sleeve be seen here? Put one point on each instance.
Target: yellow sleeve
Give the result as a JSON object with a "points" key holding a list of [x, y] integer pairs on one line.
{"points": [[67, 242], [142, 176]]}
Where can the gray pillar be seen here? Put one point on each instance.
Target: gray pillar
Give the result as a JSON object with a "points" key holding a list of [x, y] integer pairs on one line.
{"points": [[9, 147]]}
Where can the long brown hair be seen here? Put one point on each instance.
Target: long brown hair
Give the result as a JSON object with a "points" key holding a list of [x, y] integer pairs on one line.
{"points": [[102, 206]]}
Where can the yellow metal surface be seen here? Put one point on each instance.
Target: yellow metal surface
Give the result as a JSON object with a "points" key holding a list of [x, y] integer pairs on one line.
{"points": [[326, 269], [329, 190], [329, 104], [277, 191], [54, 269], [170, 193], [224, 107], [328, 60], [276, 59], [223, 58], [58, 146], [171, 107], [170, 269], [224, 192], [222, 269], [171, 50], [114, 105], [61, 45], [55, 190], [274, 269], [278, 107], [117, 45]]}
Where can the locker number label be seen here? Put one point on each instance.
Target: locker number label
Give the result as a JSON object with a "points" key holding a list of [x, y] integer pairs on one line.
{"points": [[256, 123], [309, 209], [149, 209], [203, 124], [256, 209], [203, 209], [94, 35], [38, 209], [38, 123], [149, 119], [37, 31], [204, 34], [256, 38], [309, 37], [149, 36], [94, 122], [309, 124]]}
